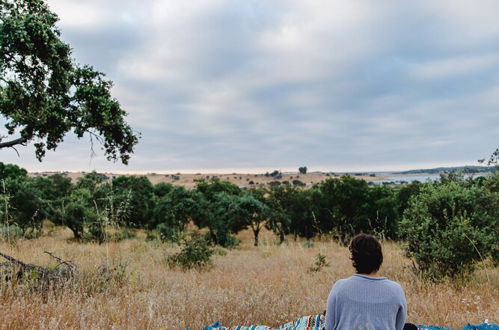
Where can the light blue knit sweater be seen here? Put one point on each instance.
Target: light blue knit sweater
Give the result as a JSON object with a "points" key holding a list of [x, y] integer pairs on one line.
{"points": [[363, 302]]}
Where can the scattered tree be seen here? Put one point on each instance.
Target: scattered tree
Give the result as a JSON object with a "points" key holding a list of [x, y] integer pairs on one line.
{"points": [[252, 210]]}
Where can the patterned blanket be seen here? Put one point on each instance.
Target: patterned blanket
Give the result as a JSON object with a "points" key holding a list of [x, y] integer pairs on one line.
{"points": [[316, 322]]}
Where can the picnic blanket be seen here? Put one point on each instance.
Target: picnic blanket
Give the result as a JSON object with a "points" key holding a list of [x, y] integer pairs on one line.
{"points": [[311, 322], [317, 322]]}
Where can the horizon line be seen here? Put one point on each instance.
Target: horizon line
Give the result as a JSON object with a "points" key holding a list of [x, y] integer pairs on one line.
{"points": [[261, 170]]}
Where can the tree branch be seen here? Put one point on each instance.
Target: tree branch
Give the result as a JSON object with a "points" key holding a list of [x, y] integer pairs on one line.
{"points": [[12, 143]]}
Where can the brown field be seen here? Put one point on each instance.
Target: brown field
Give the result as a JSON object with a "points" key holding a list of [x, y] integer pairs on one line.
{"points": [[268, 284], [189, 180]]}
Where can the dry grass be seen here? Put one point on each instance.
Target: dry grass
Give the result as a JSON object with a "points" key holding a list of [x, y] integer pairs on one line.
{"points": [[189, 180], [265, 285]]}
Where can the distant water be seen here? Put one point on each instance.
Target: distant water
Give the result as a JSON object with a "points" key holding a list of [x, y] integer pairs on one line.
{"points": [[420, 178]]}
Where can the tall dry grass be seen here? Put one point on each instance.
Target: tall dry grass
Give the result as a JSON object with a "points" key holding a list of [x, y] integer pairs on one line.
{"points": [[264, 285]]}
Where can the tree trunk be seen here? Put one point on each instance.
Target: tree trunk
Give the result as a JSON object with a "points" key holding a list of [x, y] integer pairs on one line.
{"points": [[256, 232], [76, 233], [281, 236]]}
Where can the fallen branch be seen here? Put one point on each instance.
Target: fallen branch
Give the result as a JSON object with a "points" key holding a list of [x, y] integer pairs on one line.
{"points": [[41, 278]]}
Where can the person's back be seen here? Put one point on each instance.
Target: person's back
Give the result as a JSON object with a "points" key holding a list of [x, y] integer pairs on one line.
{"points": [[365, 300]]}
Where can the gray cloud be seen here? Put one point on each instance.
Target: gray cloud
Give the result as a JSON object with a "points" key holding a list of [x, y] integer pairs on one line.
{"points": [[259, 84]]}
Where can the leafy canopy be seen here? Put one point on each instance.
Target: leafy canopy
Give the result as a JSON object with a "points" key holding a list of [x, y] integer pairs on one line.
{"points": [[44, 94]]}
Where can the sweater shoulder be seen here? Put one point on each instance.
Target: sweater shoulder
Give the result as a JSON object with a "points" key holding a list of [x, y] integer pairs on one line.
{"points": [[338, 286], [394, 285]]}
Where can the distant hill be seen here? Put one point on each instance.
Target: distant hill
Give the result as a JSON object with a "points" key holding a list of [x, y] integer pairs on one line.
{"points": [[464, 169]]}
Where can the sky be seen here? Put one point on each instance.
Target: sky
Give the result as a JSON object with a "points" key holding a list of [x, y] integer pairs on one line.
{"points": [[257, 85]]}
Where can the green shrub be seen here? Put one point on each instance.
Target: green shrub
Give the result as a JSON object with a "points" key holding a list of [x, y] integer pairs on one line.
{"points": [[150, 236], [298, 183], [308, 244], [122, 235], [169, 234], [97, 230], [222, 238], [450, 227], [195, 253], [320, 263], [10, 232], [219, 251]]}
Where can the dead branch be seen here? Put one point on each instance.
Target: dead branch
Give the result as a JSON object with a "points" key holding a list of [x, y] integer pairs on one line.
{"points": [[44, 278], [68, 263]]}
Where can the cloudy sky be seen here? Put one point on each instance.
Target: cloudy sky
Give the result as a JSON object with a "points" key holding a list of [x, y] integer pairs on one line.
{"points": [[266, 84]]}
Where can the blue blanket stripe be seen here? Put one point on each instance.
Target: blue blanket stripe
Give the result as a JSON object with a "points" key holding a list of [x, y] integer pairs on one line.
{"points": [[316, 322]]}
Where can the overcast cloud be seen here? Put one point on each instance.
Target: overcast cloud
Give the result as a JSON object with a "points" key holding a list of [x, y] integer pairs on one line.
{"points": [[334, 85]]}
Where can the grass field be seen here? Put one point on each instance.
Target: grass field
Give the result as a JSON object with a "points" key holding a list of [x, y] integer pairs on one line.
{"points": [[268, 284], [189, 180]]}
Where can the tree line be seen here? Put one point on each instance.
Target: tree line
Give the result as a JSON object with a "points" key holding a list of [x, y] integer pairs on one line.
{"points": [[454, 220], [340, 207]]}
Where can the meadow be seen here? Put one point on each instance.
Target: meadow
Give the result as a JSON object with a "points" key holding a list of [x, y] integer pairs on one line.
{"points": [[269, 284]]}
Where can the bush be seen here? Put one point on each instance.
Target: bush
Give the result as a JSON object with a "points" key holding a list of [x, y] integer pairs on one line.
{"points": [[308, 244], [298, 183], [123, 234], [168, 234], [10, 233], [320, 263], [195, 253], [97, 229], [222, 238], [450, 227]]}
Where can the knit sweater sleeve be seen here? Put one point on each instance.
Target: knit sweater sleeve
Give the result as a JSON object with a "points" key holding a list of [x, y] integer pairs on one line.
{"points": [[330, 308], [402, 312]]}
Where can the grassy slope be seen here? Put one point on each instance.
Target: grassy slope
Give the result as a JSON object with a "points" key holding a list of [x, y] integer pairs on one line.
{"points": [[265, 285]]}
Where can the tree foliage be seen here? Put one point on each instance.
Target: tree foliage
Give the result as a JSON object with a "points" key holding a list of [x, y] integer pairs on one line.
{"points": [[252, 211], [449, 227], [44, 94], [11, 171], [175, 209], [136, 194], [27, 206]]}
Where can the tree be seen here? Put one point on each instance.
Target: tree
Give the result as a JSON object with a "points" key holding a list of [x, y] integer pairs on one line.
{"points": [[344, 207], [77, 211], [162, 188], [99, 191], [214, 186], [218, 215], [135, 193], [493, 160], [449, 227], [405, 193], [175, 209], [216, 201], [91, 180], [279, 221], [299, 212], [253, 212], [55, 190], [26, 205], [44, 94], [11, 171], [383, 211], [302, 170]]}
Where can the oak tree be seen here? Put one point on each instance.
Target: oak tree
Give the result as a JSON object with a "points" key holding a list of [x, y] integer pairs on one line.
{"points": [[45, 94]]}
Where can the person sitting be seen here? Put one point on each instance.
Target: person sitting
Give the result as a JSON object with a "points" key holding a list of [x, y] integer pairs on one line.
{"points": [[366, 300]]}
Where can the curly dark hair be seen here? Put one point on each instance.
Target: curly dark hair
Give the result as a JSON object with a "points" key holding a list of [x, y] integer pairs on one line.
{"points": [[366, 254]]}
